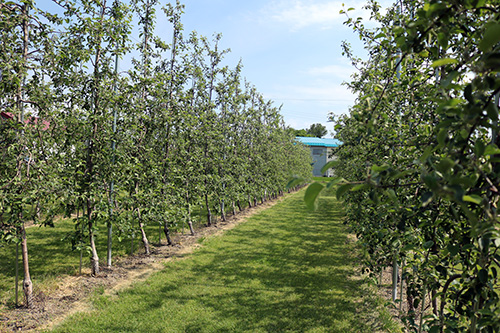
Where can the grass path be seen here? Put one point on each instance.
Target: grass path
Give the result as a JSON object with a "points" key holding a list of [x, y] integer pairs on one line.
{"points": [[284, 269]]}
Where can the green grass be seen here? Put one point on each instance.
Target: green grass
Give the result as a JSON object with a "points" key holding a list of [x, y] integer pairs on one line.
{"points": [[50, 256], [322, 179], [285, 269]]}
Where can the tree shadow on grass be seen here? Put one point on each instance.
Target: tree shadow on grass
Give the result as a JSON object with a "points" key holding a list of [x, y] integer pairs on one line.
{"points": [[285, 269]]}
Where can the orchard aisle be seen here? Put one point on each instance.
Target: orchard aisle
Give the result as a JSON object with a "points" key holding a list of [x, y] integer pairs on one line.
{"points": [[284, 269]]}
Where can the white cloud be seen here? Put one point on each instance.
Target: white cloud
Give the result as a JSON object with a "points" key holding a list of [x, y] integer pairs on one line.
{"points": [[299, 14]]}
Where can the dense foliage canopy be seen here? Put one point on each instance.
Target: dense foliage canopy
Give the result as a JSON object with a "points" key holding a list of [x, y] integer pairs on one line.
{"points": [[420, 160], [176, 130]]}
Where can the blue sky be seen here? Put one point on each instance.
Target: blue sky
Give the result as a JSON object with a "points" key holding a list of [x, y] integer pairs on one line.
{"points": [[290, 49]]}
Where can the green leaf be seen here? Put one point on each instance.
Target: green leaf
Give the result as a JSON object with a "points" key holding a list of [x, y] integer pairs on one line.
{"points": [[443, 39], [474, 198], [427, 152], [468, 93], [435, 329], [441, 136], [392, 195], [491, 149], [490, 38], [492, 111], [445, 165], [453, 249], [483, 276], [329, 165], [373, 195], [443, 62], [360, 187], [408, 247], [294, 182], [431, 182], [333, 182], [426, 198], [479, 148], [311, 194], [343, 189], [379, 169], [427, 245]]}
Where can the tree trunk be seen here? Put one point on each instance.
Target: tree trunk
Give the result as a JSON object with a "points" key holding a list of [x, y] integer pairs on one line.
{"points": [[190, 224], [434, 302], [255, 201], [249, 202], [234, 209], [222, 212], [144, 237], [209, 213], [94, 259], [239, 205], [27, 284], [166, 230], [141, 224]]}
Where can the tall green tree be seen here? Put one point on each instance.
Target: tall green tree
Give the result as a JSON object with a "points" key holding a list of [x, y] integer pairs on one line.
{"points": [[27, 127], [318, 130], [419, 157], [90, 34]]}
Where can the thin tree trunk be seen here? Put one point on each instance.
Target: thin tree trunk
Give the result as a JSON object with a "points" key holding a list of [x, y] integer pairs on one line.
{"points": [[209, 213], [239, 205], [249, 202], [234, 209], [145, 241], [94, 259], [222, 212], [166, 230], [27, 284], [434, 303], [190, 224]]}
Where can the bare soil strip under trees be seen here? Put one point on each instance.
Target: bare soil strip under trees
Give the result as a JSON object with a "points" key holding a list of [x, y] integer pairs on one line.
{"points": [[70, 293], [355, 307]]}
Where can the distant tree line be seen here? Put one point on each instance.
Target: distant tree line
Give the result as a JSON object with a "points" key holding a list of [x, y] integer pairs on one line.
{"points": [[315, 130]]}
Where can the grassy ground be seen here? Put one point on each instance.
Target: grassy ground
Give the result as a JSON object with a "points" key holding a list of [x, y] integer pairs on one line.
{"points": [[285, 269], [51, 255]]}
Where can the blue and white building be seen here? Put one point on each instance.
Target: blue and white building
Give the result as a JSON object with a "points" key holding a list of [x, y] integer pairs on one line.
{"points": [[321, 153]]}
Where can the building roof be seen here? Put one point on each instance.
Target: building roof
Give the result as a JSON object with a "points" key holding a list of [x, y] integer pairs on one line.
{"points": [[318, 142], [31, 120]]}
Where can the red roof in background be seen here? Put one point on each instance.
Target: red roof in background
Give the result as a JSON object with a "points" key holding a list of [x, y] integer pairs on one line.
{"points": [[30, 120], [6, 115], [45, 124]]}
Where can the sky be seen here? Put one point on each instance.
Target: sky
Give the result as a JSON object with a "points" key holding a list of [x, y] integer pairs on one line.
{"points": [[290, 49]]}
